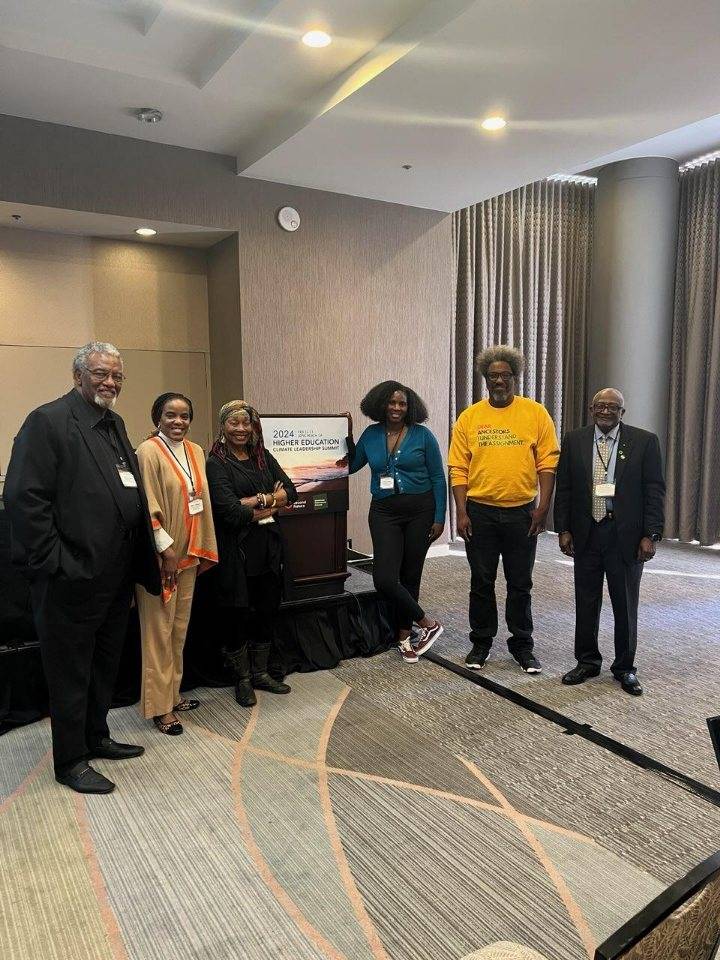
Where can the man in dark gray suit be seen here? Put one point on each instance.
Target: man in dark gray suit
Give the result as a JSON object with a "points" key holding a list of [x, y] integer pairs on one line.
{"points": [[609, 514], [81, 530]]}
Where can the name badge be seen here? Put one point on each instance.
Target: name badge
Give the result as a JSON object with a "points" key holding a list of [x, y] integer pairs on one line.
{"points": [[195, 505], [266, 520], [604, 489], [126, 477], [387, 482]]}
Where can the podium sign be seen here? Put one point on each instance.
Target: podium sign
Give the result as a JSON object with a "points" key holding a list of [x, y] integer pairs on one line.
{"points": [[312, 450]]}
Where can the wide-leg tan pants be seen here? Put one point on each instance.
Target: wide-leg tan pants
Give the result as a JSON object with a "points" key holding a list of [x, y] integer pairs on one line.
{"points": [[163, 627]]}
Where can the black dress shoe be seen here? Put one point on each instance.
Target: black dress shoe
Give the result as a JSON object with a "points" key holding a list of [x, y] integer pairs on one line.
{"points": [[580, 674], [83, 779], [630, 683], [108, 749]]}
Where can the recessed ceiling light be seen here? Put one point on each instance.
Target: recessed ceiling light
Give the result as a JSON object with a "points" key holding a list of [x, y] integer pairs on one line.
{"points": [[317, 38], [149, 115], [145, 232], [493, 123]]}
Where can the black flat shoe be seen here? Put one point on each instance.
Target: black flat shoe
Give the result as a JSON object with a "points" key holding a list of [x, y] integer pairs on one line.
{"points": [[109, 749], [173, 728], [263, 681], [83, 779], [186, 705], [580, 674], [630, 683]]}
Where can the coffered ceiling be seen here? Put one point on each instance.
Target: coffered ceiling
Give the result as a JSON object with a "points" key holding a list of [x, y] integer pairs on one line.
{"points": [[404, 83]]}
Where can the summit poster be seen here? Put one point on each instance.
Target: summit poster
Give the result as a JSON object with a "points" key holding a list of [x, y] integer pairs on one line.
{"points": [[312, 450]]}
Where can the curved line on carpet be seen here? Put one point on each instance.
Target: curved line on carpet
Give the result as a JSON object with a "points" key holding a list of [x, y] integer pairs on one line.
{"points": [[261, 864], [109, 920], [558, 881], [26, 782], [390, 782], [353, 894], [584, 730]]}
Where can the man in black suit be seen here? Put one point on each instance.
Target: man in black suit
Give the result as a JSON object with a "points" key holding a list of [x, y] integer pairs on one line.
{"points": [[609, 513], [81, 530]]}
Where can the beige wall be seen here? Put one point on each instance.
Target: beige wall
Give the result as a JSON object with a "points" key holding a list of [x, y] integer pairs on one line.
{"points": [[361, 292], [57, 292], [223, 272]]}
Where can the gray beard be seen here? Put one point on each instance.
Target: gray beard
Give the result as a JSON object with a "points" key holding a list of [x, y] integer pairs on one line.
{"points": [[103, 403]]}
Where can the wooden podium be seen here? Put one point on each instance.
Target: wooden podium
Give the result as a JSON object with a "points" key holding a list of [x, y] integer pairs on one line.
{"points": [[312, 450]]}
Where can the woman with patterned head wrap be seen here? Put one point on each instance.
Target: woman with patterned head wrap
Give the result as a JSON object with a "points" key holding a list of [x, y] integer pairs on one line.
{"points": [[247, 487]]}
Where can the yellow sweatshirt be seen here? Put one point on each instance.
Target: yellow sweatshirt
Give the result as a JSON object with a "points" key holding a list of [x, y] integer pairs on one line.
{"points": [[497, 452]]}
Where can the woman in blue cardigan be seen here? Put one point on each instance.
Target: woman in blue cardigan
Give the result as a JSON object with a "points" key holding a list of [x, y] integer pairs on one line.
{"points": [[409, 498]]}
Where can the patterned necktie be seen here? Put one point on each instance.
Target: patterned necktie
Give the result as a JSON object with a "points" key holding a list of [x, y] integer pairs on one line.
{"points": [[599, 509]]}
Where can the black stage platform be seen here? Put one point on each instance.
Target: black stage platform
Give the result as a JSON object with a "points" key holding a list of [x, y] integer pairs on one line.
{"points": [[312, 635]]}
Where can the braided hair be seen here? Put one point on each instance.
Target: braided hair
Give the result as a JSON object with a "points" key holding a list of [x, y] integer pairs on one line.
{"points": [[256, 446]]}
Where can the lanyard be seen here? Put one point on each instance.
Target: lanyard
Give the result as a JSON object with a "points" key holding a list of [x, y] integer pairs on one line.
{"points": [[606, 466], [188, 472]]}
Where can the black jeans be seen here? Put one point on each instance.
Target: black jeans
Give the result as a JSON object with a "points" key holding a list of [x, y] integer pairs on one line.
{"points": [[400, 527], [81, 625], [601, 558], [496, 532]]}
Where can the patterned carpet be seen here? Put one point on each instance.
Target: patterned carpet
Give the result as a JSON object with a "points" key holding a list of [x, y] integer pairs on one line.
{"points": [[318, 825], [678, 650], [380, 812]]}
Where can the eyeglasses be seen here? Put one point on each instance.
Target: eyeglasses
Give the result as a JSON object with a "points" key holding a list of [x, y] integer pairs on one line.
{"points": [[101, 375], [505, 377], [610, 407]]}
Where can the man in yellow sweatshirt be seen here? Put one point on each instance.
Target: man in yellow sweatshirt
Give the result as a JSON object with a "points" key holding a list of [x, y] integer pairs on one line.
{"points": [[503, 450]]}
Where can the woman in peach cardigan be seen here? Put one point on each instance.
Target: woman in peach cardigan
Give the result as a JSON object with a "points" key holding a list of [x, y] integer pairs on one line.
{"points": [[173, 472]]}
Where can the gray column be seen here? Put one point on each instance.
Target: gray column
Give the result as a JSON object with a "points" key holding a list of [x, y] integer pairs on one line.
{"points": [[633, 286]]}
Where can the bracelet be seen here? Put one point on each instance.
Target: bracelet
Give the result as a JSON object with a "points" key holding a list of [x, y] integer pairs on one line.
{"points": [[260, 497], [273, 501]]}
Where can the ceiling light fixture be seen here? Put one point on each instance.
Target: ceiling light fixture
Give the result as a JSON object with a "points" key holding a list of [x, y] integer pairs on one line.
{"points": [[149, 115], [493, 123], [317, 38], [145, 232]]}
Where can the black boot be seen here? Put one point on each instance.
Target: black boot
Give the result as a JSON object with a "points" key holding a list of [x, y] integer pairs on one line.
{"points": [[261, 679], [238, 664]]}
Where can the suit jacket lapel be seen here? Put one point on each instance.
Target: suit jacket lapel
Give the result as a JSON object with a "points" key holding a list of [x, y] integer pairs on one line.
{"points": [[586, 451], [623, 453]]}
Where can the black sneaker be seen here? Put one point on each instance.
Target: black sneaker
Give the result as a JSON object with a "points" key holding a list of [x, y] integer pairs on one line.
{"points": [[475, 660], [529, 663]]}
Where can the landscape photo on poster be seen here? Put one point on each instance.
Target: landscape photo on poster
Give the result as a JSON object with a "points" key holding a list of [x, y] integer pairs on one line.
{"points": [[312, 450]]}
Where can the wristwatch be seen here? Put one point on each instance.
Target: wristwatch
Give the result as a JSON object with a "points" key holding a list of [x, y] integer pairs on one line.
{"points": [[656, 537]]}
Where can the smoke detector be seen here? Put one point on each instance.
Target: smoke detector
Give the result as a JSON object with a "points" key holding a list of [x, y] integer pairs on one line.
{"points": [[149, 115]]}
